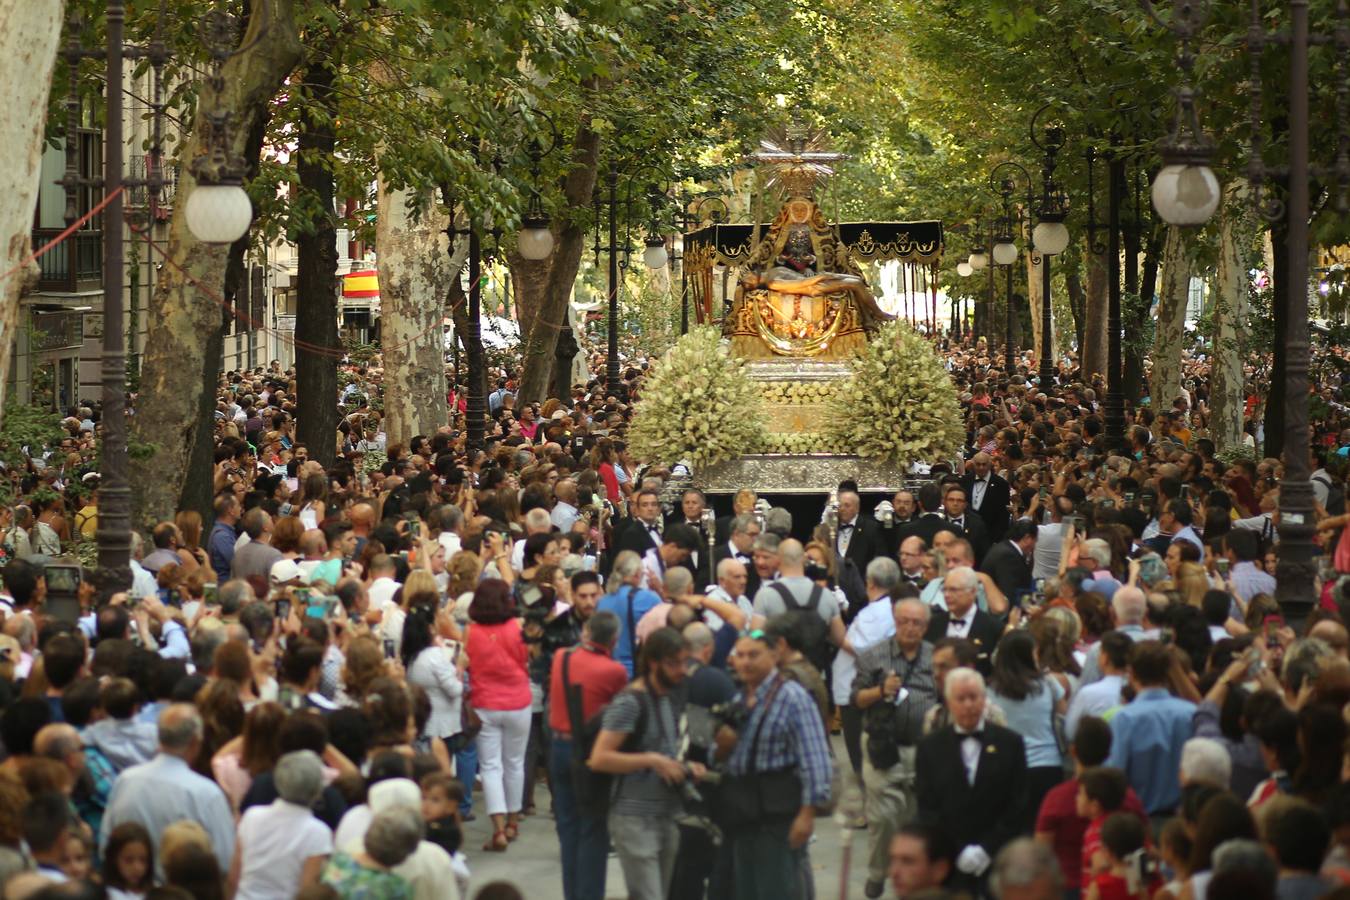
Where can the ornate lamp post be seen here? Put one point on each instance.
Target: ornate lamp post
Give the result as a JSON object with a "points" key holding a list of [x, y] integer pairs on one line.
{"points": [[1050, 237], [218, 211], [1005, 251], [1186, 192], [654, 253]]}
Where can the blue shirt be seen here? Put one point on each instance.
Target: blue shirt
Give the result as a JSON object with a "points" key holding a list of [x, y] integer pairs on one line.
{"points": [[1032, 717], [1146, 739], [158, 793], [791, 737], [220, 547], [618, 603]]}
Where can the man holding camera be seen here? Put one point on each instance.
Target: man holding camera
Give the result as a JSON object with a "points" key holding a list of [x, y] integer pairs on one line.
{"points": [[778, 771], [639, 742], [894, 687]]}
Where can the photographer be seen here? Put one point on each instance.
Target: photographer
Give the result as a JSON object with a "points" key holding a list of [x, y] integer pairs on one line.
{"points": [[778, 771], [639, 742], [894, 687]]}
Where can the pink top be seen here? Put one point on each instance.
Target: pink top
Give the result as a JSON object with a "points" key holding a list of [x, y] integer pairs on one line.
{"points": [[497, 657]]}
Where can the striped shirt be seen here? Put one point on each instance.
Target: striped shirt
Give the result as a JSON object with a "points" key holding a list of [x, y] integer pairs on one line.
{"points": [[792, 737]]}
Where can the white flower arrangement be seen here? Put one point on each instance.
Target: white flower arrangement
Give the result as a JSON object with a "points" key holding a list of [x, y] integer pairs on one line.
{"points": [[799, 392], [900, 405], [698, 404]]}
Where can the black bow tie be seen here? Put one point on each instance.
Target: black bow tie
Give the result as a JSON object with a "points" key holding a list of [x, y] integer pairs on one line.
{"points": [[977, 735], [845, 525], [962, 622]]}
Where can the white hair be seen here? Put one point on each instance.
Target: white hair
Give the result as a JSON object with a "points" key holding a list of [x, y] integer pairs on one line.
{"points": [[1130, 605], [1205, 761], [964, 576], [1099, 550], [537, 521], [626, 565], [917, 604], [1025, 863], [957, 677]]}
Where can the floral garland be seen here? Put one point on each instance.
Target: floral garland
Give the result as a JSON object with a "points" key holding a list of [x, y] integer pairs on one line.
{"points": [[698, 405], [900, 405]]}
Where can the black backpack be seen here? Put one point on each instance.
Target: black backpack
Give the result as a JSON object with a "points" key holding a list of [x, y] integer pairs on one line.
{"points": [[593, 789], [1335, 494], [806, 620]]}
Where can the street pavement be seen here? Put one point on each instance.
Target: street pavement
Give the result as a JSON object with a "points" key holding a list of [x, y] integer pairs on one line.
{"points": [[531, 863]]}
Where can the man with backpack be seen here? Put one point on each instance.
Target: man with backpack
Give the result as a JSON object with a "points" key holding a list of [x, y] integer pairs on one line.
{"points": [[639, 742], [585, 678], [814, 608]]}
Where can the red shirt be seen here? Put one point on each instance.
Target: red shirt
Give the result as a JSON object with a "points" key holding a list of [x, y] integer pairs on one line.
{"points": [[1059, 816], [497, 659], [599, 676]]}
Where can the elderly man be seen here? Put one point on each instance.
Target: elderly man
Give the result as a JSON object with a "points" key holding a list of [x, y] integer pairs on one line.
{"points": [[962, 619], [873, 625], [158, 793], [730, 589], [960, 554], [989, 494], [255, 559], [741, 540], [858, 538], [912, 552], [894, 687], [794, 591], [971, 781], [1129, 608], [763, 563]]}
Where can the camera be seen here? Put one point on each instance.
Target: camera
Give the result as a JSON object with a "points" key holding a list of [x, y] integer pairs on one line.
{"points": [[733, 714]]}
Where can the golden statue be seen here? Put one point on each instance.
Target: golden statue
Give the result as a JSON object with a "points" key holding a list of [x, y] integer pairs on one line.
{"points": [[801, 294]]}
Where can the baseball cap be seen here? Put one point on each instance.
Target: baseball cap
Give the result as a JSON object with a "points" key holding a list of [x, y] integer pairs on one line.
{"points": [[284, 571]]}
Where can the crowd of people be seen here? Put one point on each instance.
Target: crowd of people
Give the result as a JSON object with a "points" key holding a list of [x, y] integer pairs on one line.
{"points": [[1052, 668]]}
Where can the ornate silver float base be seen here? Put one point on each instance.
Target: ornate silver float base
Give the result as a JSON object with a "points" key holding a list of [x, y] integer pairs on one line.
{"points": [[793, 369], [805, 473]]}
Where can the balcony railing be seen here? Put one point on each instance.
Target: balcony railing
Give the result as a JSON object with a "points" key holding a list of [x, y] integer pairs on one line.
{"points": [[137, 197], [73, 265]]}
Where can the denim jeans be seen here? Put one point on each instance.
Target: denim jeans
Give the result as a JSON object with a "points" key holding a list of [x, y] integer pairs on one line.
{"points": [[764, 866], [466, 770], [583, 838]]}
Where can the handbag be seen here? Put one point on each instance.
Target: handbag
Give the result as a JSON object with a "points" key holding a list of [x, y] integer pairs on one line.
{"points": [[470, 723], [742, 800]]}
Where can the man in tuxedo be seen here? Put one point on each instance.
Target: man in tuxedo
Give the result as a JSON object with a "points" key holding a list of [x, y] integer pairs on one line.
{"points": [[954, 506], [743, 503], [859, 538], [962, 619], [692, 504], [641, 532], [971, 781], [912, 552], [906, 509], [740, 542], [1008, 563], [988, 495], [930, 520]]}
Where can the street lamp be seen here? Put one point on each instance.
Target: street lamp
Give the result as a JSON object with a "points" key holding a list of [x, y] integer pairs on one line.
{"points": [[1050, 237], [655, 257], [218, 211], [534, 241], [964, 269], [1005, 247], [1185, 197]]}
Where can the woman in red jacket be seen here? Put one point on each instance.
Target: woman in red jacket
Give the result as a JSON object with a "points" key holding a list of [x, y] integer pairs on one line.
{"points": [[500, 694]]}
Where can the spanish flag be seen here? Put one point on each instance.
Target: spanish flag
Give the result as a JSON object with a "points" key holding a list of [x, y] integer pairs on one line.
{"points": [[361, 284]]}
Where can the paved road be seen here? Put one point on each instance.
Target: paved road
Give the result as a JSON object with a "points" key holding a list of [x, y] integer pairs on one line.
{"points": [[531, 863]]}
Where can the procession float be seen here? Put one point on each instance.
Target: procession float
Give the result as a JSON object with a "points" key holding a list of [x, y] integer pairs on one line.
{"points": [[800, 379]]}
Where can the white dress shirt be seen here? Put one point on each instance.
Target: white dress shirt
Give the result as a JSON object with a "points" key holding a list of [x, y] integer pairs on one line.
{"points": [[970, 753], [977, 492], [873, 624]]}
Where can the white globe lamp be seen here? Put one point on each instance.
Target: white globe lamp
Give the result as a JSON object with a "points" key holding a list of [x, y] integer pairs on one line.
{"points": [[1185, 194], [219, 213], [1051, 238], [535, 240], [1005, 253], [655, 256], [964, 269]]}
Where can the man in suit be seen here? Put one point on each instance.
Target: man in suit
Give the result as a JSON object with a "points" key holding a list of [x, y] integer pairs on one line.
{"points": [[1008, 563], [692, 504], [988, 495], [931, 520], [743, 503], [740, 542], [962, 619], [954, 506], [906, 507], [859, 537], [641, 532], [971, 781]]}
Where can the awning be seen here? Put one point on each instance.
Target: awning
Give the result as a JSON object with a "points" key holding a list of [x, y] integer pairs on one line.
{"points": [[361, 284]]}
